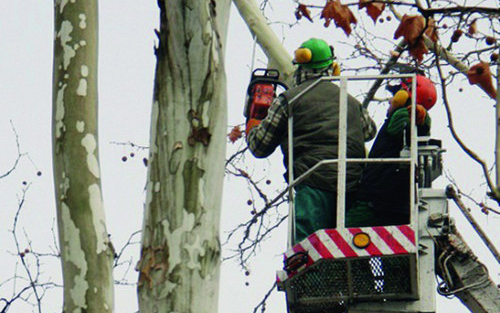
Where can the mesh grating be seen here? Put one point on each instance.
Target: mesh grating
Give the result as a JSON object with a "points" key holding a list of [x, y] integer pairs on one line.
{"points": [[381, 276], [326, 284], [326, 279]]}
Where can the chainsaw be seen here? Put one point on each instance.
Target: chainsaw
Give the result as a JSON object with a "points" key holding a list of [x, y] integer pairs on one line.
{"points": [[261, 92]]}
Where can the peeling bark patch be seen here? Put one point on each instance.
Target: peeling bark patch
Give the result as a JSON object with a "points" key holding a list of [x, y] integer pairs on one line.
{"points": [[75, 256], [64, 186], [84, 70], [80, 126], [82, 88], [153, 148], [210, 259], [60, 128], [63, 4], [98, 218], [199, 134], [192, 175], [82, 85], [174, 240], [90, 144], [65, 37], [83, 21]]}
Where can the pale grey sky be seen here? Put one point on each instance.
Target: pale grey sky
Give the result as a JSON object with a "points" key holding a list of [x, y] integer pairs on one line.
{"points": [[126, 69]]}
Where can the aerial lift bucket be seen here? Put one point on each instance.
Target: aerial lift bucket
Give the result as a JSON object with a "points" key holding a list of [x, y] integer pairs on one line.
{"points": [[334, 268]]}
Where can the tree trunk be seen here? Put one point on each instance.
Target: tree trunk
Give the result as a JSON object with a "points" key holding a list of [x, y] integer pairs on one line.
{"points": [[180, 253], [85, 250]]}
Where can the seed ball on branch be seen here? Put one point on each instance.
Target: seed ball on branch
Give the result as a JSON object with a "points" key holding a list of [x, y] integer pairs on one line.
{"points": [[124, 158], [249, 201], [494, 57], [456, 35], [490, 40]]}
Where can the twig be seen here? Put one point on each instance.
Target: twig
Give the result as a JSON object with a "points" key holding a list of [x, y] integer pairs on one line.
{"points": [[264, 300]]}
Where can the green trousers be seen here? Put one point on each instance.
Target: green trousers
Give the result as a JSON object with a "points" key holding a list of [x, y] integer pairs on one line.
{"points": [[315, 209]]}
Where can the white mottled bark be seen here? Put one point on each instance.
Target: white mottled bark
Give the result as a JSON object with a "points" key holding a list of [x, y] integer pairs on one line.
{"points": [[85, 251], [179, 266]]}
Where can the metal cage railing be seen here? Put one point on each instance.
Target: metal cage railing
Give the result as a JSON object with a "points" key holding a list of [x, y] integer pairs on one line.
{"points": [[342, 159]]}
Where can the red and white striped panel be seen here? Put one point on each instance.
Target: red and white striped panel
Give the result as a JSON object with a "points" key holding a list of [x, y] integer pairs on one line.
{"points": [[337, 244]]}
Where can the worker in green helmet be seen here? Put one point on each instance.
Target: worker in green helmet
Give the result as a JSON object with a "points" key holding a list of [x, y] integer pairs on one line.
{"points": [[315, 137]]}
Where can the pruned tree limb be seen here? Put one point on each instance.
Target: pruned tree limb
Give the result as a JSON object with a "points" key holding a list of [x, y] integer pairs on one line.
{"points": [[267, 39]]}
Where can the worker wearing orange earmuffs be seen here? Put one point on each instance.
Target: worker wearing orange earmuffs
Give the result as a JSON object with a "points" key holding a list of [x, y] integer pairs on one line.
{"points": [[384, 194], [315, 129]]}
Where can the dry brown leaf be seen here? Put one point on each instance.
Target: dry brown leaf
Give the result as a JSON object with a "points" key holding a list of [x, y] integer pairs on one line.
{"points": [[411, 28], [480, 74], [302, 10], [235, 134], [340, 14], [373, 9], [473, 28]]}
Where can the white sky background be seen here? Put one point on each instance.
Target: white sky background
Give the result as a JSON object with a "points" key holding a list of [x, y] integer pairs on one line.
{"points": [[126, 69]]}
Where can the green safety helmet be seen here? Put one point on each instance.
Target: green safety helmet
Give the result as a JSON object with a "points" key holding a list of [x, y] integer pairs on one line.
{"points": [[314, 54]]}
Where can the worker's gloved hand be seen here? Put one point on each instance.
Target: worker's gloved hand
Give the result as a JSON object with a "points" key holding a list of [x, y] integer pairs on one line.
{"points": [[251, 124], [421, 114], [398, 121]]}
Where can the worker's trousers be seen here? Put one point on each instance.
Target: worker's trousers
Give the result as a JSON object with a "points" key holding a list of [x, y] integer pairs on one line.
{"points": [[315, 209]]}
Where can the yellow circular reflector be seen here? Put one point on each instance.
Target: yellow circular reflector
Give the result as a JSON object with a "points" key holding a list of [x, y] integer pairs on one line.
{"points": [[361, 240]]}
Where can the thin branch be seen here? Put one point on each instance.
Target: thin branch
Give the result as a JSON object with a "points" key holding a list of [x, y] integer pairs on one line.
{"points": [[19, 154], [262, 303], [493, 191]]}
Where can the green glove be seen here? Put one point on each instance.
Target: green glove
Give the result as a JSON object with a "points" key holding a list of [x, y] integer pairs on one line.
{"points": [[398, 121]]}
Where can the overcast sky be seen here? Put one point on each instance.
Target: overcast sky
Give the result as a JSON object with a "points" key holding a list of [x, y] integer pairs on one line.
{"points": [[126, 69]]}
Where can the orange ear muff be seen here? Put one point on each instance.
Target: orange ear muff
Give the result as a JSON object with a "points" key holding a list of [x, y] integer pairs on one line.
{"points": [[303, 55], [399, 99], [336, 69]]}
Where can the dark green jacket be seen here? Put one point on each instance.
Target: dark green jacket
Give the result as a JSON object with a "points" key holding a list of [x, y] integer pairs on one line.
{"points": [[315, 135]]}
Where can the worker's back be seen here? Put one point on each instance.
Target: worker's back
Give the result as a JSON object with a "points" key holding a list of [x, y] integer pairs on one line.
{"points": [[315, 134]]}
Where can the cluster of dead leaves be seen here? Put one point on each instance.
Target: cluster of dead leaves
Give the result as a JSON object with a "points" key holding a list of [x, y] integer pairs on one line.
{"points": [[341, 14], [480, 74], [412, 28]]}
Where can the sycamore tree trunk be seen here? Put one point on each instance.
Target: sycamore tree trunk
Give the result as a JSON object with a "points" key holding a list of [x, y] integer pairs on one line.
{"points": [[180, 253], [85, 251]]}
